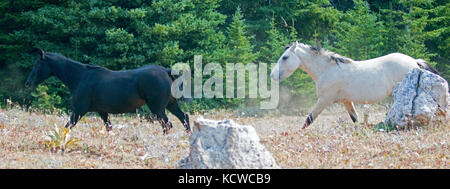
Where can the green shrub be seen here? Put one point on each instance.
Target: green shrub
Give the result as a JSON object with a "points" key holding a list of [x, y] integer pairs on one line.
{"points": [[383, 127], [43, 101]]}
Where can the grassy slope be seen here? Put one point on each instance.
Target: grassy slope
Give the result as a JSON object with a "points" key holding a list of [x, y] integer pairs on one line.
{"points": [[333, 141]]}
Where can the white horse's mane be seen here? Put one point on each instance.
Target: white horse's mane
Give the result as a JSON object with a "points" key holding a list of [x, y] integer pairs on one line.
{"points": [[332, 56]]}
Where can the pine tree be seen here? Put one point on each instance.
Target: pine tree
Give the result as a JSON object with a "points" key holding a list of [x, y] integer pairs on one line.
{"points": [[239, 47], [317, 18], [275, 43], [14, 49], [416, 18], [406, 27], [115, 34], [393, 34], [130, 34], [359, 33]]}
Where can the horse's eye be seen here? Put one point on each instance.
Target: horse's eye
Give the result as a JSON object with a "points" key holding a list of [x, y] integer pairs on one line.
{"points": [[285, 57]]}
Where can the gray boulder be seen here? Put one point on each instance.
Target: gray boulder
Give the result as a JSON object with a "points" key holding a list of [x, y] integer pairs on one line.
{"points": [[421, 99], [225, 145]]}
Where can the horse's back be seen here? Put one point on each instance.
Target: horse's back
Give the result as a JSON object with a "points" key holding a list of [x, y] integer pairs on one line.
{"points": [[398, 65], [400, 58], [372, 80], [393, 58], [394, 63], [154, 80]]}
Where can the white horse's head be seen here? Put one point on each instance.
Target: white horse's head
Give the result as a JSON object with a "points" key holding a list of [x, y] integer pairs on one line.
{"points": [[287, 63]]}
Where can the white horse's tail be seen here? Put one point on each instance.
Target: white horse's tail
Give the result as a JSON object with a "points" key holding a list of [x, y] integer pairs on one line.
{"points": [[424, 65]]}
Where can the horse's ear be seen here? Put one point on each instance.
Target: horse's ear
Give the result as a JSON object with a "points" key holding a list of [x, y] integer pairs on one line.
{"points": [[294, 46], [42, 53], [318, 44]]}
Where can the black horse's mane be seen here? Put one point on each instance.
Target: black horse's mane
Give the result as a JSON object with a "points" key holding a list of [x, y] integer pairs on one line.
{"points": [[91, 66], [64, 58]]}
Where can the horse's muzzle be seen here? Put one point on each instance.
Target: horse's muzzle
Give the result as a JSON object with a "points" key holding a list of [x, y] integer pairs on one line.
{"points": [[275, 77], [29, 85]]}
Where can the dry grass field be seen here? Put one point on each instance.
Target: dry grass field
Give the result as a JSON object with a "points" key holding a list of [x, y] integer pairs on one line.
{"points": [[333, 141]]}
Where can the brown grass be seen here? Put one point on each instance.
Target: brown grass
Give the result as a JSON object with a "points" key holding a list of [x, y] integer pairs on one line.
{"points": [[332, 141]]}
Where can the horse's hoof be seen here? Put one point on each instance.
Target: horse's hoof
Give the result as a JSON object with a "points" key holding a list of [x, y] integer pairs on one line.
{"points": [[304, 126], [169, 125], [188, 132]]}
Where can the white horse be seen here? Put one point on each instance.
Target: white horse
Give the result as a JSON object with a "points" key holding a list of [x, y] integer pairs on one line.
{"points": [[341, 79]]}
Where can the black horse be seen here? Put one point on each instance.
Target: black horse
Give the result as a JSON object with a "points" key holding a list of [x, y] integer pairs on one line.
{"points": [[97, 89]]}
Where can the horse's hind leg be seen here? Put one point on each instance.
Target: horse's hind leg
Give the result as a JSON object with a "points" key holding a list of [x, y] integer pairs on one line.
{"points": [[164, 121], [151, 117], [351, 110], [175, 109], [159, 110], [106, 120]]}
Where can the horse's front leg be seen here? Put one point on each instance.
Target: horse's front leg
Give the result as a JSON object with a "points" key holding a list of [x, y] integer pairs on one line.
{"points": [[321, 104], [81, 105], [106, 120], [166, 125], [74, 118]]}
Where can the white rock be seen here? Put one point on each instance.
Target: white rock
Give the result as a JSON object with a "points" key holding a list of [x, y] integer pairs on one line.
{"points": [[421, 99], [225, 145]]}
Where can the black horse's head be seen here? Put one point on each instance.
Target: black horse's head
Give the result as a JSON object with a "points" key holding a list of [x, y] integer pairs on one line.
{"points": [[41, 71]]}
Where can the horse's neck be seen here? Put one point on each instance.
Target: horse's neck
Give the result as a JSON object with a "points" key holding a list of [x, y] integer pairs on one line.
{"points": [[69, 72], [314, 66]]}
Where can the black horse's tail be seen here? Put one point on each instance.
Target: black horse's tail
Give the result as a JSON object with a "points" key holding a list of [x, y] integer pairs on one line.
{"points": [[424, 65], [174, 77], [169, 71]]}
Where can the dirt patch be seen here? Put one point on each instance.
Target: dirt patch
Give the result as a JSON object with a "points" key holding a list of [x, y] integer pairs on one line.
{"points": [[332, 141]]}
